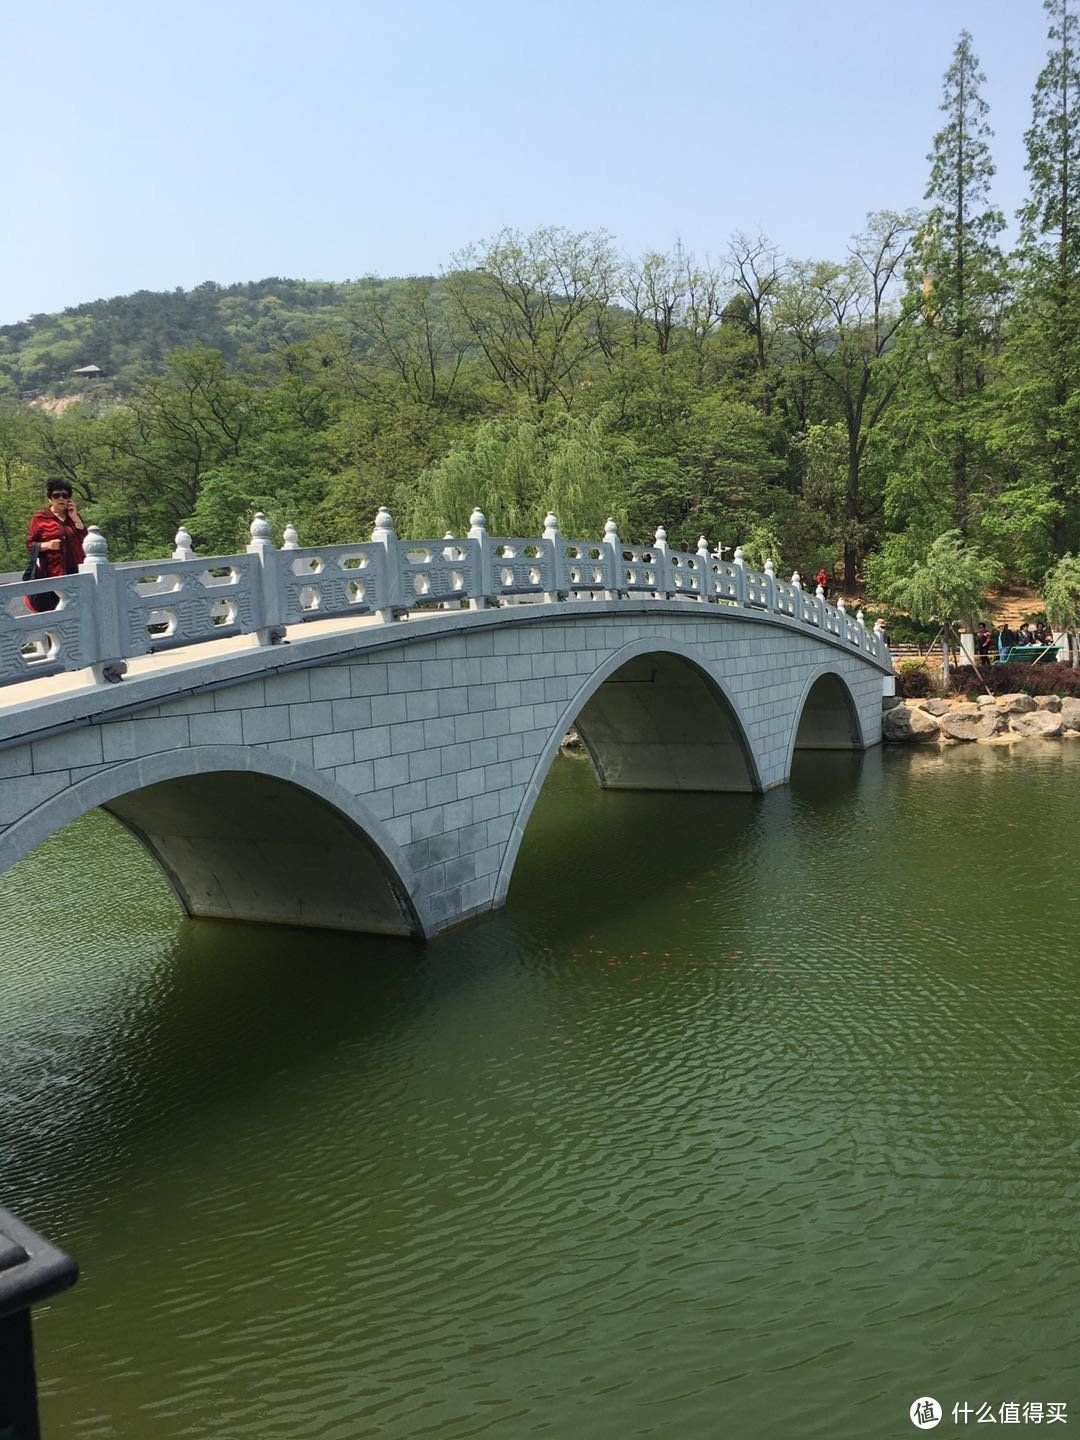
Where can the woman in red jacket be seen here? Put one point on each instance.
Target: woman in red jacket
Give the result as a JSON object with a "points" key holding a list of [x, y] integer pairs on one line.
{"points": [[58, 531]]}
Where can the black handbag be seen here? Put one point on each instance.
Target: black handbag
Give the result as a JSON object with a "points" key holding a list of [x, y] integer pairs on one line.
{"points": [[31, 571], [46, 599]]}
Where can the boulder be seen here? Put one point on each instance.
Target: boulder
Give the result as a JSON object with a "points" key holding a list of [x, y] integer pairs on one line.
{"points": [[903, 726], [1039, 723], [1048, 702], [936, 707], [987, 700], [971, 722], [1070, 713], [1015, 704]]}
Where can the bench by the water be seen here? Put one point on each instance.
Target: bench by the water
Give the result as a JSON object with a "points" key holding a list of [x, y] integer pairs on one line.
{"points": [[1027, 655]]}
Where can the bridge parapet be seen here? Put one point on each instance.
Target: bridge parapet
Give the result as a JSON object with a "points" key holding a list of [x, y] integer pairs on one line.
{"points": [[109, 613]]}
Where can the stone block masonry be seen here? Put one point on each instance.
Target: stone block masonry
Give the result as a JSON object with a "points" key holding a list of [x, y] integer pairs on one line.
{"points": [[383, 779]]}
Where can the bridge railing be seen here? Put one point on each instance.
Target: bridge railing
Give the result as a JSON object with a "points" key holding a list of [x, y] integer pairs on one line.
{"points": [[109, 613]]}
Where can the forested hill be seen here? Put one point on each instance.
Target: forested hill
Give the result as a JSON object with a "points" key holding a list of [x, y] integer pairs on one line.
{"points": [[129, 336]]}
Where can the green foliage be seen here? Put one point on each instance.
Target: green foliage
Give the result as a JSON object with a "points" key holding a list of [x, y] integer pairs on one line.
{"points": [[1061, 594], [515, 471], [948, 585]]}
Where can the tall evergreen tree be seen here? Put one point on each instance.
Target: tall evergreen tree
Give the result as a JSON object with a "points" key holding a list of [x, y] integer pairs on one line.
{"points": [[959, 268], [1046, 355]]}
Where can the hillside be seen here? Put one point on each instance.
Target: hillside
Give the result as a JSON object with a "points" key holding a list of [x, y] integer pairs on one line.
{"points": [[129, 336]]}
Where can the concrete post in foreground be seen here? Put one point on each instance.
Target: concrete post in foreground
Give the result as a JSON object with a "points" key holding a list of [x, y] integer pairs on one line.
{"points": [[663, 565], [108, 646], [271, 631], [390, 582], [31, 1270], [182, 546], [559, 585], [739, 561], [705, 575], [770, 586], [485, 587], [291, 538], [613, 559]]}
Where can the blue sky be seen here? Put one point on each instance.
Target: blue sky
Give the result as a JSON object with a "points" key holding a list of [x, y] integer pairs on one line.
{"points": [[161, 145]]}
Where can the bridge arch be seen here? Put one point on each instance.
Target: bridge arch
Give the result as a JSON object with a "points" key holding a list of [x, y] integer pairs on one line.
{"points": [[826, 716], [674, 727], [243, 834]]}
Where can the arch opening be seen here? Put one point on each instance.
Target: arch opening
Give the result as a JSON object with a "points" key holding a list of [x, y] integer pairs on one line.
{"points": [[659, 722], [829, 720], [240, 845]]}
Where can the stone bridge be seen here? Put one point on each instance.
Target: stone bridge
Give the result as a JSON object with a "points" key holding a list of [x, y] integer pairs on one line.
{"points": [[354, 736]]}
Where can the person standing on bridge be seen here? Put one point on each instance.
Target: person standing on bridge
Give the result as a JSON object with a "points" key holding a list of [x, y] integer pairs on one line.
{"points": [[58, 532]]}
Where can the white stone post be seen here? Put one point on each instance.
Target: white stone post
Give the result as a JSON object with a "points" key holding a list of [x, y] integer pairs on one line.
{"points": [[560, 586], [739, 561], [770, 586], [819, 597], [485, 587], [291, 539], [271, 631], [390, 594], [450, 555], [105, 645], [705, 575], [613, 559], [182, 547], [663, 564]]}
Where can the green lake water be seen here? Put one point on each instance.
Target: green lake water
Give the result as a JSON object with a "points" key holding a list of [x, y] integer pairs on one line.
{"points": [[749, 1115]]}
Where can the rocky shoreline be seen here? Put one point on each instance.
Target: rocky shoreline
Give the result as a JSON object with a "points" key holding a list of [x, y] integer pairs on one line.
{"points": [[991, 720]]}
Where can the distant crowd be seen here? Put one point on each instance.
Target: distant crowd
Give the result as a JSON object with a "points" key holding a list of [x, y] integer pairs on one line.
{"points": [[1004, 638]]}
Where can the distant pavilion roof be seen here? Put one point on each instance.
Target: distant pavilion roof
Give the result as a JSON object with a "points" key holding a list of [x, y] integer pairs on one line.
{"points": [[88, 370]]}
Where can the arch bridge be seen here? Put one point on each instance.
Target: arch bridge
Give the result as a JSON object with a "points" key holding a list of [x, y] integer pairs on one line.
{"points": [[354, 736]]}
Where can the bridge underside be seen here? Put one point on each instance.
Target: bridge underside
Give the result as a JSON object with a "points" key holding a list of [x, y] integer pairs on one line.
{"points": [[829, 721], [242, 846], [659, 723]]}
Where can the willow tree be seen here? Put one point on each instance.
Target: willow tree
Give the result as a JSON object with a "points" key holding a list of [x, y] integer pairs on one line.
{"points": [[946, 587], [1061, 597]]}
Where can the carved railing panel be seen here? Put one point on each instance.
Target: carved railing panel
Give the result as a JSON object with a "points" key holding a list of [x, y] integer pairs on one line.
{"points": [[521, 567], [436, 571], [642, 569], [46, 642], [166, 603], [317, 582]]}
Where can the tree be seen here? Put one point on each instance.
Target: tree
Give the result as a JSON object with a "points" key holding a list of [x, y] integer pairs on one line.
{"points": [[757, 270], [846, 325], [1045, 355], [958, 270], [538, 308], [947, 586], [1061, 597], [516, 471]]}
